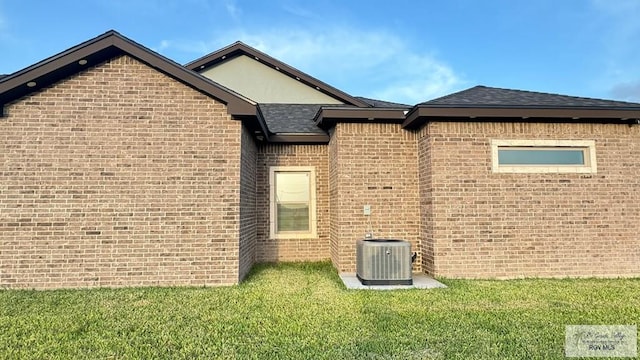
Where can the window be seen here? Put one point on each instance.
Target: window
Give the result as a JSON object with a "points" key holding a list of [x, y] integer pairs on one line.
{"points": [[541, 156], [292, 202], [544, 156]]}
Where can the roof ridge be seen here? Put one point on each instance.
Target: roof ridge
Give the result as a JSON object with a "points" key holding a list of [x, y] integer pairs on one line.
{"points": [[369, 100], [558, 94], [454, 94], [487, 96]]}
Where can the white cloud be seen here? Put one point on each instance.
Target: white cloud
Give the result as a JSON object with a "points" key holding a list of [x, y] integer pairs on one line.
{"points": [[336, 49], [372, 64], [422, 78], [367, 63], [296, 10], [183, 46], [164, 44], [232, 9], [629, 91], [620, 38]]}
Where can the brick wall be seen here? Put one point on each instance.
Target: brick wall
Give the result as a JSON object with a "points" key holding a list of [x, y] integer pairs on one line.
{"points": [[122, 176], [484, 224], [377, 165], [248, 219], [270, 250], [335, 202], [425, 190], [118, 176]]}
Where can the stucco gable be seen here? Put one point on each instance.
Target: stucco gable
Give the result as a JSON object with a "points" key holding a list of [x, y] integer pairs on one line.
{"points": [[255, 74], [264, 84]]}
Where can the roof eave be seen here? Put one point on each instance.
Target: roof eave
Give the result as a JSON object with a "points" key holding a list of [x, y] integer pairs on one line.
{"points": [[328, 116], [16, 83], [299, 138], [421, 114], [262, 123]]}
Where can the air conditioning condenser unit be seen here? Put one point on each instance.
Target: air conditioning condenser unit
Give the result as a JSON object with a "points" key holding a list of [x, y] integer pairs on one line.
{"points": [[384, 262]]}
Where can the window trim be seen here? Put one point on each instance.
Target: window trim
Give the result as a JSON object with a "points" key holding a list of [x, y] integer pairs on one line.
{"points": [[273, 233], [588, 146]]}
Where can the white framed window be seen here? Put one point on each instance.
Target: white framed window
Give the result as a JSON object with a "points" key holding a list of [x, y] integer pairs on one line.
{"points": [[292, 202], [543, 156]]}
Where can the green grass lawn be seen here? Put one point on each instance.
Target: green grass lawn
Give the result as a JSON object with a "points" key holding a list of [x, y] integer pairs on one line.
{"points": [[302, 311]]}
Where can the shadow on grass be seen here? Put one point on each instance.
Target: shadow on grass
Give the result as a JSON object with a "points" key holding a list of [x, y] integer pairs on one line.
{"points": [[322, 268]]}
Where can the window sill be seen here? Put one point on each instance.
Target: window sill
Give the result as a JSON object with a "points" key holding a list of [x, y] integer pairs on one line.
{"points": [[294, 236], [544, 170]]}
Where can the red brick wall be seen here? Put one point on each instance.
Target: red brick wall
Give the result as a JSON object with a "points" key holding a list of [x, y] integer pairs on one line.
{"points": [[485, 224], [377, 165], [118, 176], [270, 250]]}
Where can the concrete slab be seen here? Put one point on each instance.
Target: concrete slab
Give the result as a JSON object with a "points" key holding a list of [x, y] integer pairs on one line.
{"points": [[420, 281]]}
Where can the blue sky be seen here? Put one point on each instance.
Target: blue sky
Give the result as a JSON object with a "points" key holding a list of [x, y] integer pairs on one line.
{"points": [[399, 50]]}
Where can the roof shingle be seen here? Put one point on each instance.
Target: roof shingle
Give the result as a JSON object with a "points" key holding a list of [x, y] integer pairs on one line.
{"points": [[483, 96], [299, 118], [383, 104], [291, 118]]}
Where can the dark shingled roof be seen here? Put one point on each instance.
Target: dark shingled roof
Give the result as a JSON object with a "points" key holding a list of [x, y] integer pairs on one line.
{"points": [[483, 96], [299, 118], [383, 104], [291, 118], [3, 76]]}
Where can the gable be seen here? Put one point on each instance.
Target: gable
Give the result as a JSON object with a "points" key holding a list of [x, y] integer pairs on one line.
{"points": [[102, 48], [264, 84], [122, 88]]}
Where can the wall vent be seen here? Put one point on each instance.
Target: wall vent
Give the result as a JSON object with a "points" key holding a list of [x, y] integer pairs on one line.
{"points": [[383, 262]]}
